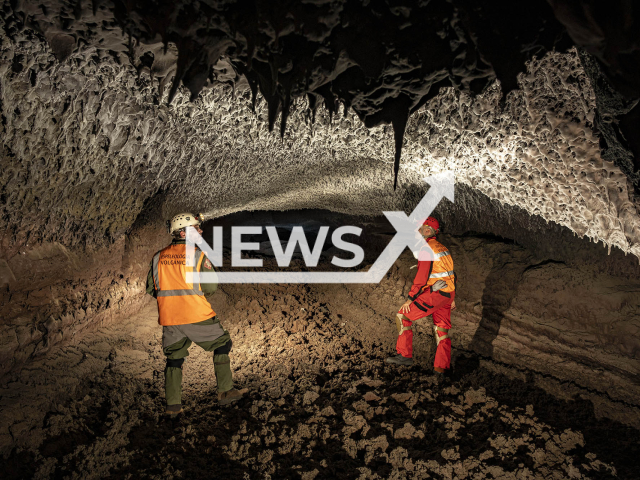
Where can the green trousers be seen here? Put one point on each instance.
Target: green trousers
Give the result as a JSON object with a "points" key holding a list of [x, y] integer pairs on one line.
{"points": [[180, 349]]}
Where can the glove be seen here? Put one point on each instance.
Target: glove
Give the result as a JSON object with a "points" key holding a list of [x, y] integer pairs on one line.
{"points": [[440, 284]]}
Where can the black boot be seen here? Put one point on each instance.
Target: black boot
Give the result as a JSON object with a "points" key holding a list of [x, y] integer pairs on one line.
{"points": [[399, 360]]}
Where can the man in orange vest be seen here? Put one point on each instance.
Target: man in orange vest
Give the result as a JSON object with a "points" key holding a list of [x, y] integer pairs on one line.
{"points": [[432, 293], [186, 316]]}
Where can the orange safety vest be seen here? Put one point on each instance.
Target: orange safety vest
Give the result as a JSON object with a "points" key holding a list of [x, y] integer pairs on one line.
{"points": [[441, 266], [179, 302]]}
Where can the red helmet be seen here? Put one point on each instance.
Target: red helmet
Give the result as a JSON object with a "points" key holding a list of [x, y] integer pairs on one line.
{"points": [[433, 223]]}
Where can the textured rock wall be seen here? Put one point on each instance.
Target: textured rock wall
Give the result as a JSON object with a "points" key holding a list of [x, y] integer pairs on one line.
{"points": [[564, 321], [534, 295], [56, 292], [569, 322]]}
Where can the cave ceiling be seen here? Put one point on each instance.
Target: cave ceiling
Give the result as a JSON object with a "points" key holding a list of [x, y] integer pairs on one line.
{"points": [[343, 105]]}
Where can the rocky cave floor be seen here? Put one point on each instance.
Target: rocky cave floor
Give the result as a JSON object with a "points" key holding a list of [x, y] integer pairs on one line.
{"points": [[321, 404]]}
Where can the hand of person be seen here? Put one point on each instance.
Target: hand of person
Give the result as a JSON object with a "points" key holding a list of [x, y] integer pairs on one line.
{"points": [[406, 306], [440, 284], [453, 305]]}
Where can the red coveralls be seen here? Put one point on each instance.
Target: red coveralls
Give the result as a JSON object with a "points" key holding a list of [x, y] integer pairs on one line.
{"points": [[426, 303]]}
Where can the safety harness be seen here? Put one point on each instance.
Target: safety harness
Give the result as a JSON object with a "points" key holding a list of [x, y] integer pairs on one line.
{"points": [[440, 329], [436, 329], [402, 328]]}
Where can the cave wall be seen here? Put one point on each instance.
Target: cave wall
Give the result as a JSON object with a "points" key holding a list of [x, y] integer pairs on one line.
{"points": [[524, 310], [565, 321], [535, 295], [54, 292], [530, 295]]}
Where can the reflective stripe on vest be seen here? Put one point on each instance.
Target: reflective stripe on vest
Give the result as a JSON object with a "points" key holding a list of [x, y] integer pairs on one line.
{"points": [[178, 293], [441, 275], [200, 256]]}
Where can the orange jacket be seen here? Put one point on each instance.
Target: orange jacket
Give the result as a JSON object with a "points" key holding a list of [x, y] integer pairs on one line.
{"points": [[429, 272], [179, 302]]}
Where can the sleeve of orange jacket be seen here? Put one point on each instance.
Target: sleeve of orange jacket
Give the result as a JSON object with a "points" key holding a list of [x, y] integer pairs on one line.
{"points": [[422, 276]]}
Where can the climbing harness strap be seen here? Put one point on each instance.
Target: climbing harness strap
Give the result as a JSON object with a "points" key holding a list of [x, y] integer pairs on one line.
{"points": [[402, 328], [438, 338]]}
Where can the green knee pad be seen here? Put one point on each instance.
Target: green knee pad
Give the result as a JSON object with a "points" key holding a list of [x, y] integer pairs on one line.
{"points": [[222, 369]]}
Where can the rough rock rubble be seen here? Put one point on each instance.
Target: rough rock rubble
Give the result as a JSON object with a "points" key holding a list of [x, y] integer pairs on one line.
{"points": [[321, 405]]}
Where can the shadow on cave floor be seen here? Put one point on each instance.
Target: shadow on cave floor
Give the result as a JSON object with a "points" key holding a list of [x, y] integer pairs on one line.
{"points": [[619, 444], [322, 404]]}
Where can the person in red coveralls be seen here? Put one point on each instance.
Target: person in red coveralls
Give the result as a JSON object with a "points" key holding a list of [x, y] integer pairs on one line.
{"points": [[432, 293]]}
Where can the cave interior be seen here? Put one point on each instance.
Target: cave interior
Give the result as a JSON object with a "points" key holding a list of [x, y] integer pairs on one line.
{"points": [[117, 115]]}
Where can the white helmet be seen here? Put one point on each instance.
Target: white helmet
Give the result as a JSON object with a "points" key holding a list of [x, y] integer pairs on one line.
{"points": [[183, 220]]}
